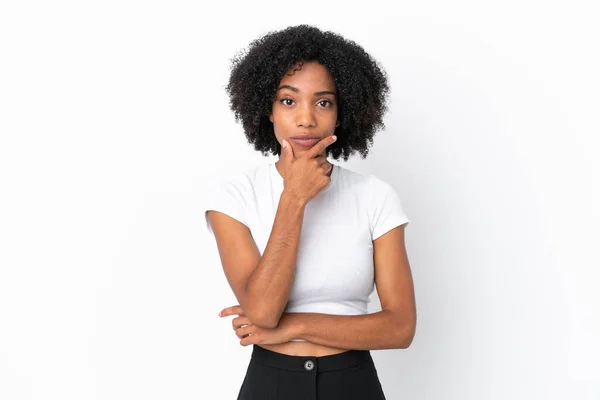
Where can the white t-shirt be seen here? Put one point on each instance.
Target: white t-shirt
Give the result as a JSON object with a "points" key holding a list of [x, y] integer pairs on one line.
{"points": [[334, 269]]}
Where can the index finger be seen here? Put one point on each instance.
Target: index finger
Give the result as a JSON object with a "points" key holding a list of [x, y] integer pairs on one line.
{"points": [[320, 146], [231, 311]]}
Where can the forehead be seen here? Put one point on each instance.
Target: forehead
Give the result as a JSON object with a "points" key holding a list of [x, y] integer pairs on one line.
{"points": [[309, 74]]}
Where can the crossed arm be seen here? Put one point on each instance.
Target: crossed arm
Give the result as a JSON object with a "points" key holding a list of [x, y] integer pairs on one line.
{"points": [[392, 327]]}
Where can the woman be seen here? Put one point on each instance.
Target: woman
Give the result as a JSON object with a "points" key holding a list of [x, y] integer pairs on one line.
{"points": [[304, 241]]}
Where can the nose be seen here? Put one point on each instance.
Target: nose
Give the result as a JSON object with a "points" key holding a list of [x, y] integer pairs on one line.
{"points": [[304, 116]]}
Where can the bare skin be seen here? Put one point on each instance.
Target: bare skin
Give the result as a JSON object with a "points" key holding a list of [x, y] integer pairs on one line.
{"points": [[306, 102], [303, 349]]}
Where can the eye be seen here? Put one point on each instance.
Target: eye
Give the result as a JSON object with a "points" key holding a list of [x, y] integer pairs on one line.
{"points": [[327, 102], [284, 100]]}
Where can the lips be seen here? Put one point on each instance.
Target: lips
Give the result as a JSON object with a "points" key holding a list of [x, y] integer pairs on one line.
{"points": [[305, 140]]}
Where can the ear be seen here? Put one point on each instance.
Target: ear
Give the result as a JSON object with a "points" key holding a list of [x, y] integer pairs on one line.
{"points": [[271, 117], [337, 123]]}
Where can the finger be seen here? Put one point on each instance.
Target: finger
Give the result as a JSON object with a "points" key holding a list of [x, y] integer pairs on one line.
{"points": [[320, 146], [239, 322], [239, 332], [244, 331], [326, 168], [287, 153], [231, 310], [249, 339], [321, 159]]}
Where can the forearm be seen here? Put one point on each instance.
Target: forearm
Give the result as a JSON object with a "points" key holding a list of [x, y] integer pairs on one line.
{"points": [[271, 281], [376, 331]]}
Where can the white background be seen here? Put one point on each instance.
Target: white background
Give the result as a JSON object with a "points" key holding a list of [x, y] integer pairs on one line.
{"points": [[113, 116]]}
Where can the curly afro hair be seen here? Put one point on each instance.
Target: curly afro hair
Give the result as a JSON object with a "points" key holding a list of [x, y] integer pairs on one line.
{"points": [[360, 81]]}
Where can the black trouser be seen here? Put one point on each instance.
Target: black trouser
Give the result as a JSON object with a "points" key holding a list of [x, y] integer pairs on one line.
{"points": [[350, 375]]}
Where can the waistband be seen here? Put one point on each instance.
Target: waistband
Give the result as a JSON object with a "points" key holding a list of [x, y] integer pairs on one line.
{"points": [[333, 362]]}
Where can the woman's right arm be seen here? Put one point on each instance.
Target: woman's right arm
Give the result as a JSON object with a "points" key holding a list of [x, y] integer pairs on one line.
{"points": [[261, 284]]}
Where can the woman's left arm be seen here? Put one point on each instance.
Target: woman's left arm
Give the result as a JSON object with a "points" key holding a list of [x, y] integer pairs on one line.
{"points": [[376, 331], [392, 327]]}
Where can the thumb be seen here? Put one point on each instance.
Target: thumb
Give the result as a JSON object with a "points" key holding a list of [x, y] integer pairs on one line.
{"points": [[287, 151]]}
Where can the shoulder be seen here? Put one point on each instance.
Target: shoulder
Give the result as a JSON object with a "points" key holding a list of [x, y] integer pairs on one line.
{"points": [[379, 186], [242, 180], [233, 193], [350, 178], [365, 183]]}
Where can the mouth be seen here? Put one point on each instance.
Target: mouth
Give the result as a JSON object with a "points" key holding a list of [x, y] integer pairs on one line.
{"points": [[305, 142], [305, 139]]}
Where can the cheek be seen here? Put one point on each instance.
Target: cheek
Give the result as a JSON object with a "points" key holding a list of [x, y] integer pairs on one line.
{"points": [[330, 121], [278, 130], [281, 120]]}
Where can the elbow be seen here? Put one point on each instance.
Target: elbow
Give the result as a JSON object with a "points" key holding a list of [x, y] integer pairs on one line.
{"points": [[402, 331], [267, 325], [259, 315], [265, 320], [262, 313], [405, 336]]}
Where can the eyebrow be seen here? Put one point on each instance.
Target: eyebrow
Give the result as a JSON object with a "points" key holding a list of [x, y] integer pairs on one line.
{"points": [[295, 89]]}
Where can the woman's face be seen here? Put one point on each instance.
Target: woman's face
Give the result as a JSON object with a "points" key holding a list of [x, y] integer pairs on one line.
{"points": [[305, 103]]}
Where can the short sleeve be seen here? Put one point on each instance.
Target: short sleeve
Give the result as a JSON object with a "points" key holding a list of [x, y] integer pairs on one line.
{"points": [[226, 197], [387, 211]]}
